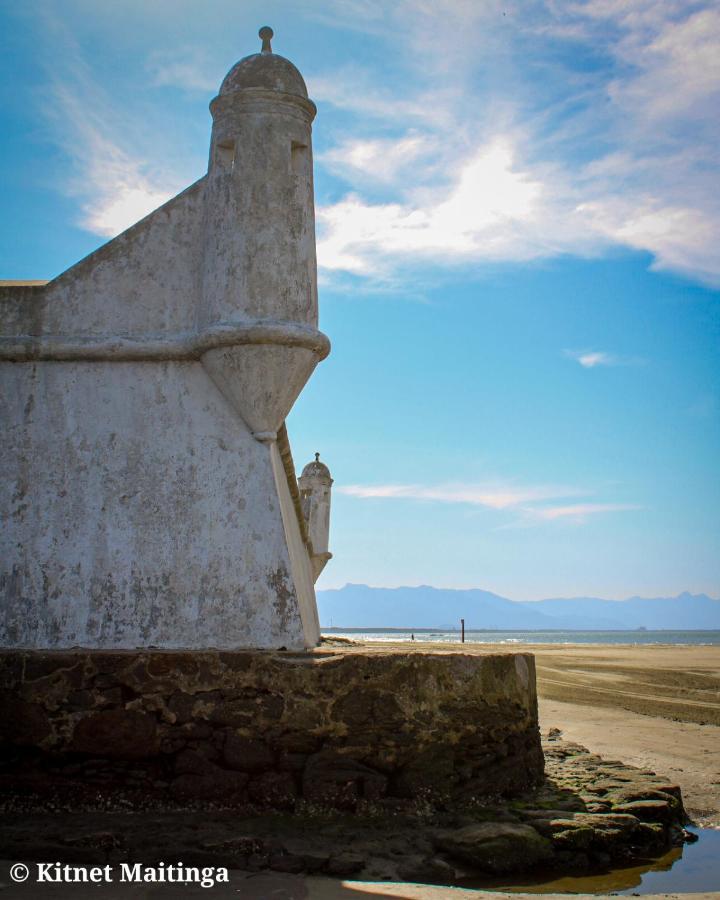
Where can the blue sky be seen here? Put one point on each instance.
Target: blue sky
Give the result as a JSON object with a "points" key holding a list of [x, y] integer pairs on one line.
{"points": [[518, 213]]}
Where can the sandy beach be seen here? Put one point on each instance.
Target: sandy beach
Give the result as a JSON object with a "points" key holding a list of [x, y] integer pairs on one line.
{"points": [[654, 707]]}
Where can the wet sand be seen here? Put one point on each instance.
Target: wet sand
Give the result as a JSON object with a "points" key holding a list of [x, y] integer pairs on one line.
{"points": [[675, 683], [654, 707]]}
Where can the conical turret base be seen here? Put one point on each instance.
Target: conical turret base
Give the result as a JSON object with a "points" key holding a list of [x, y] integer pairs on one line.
{"points": [[260, 381]]}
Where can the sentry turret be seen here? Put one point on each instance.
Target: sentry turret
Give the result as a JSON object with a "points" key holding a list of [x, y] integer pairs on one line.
{"points": [[259, 260], [315, 484]]}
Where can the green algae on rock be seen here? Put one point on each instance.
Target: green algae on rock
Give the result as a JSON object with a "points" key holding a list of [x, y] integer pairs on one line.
{"points": [[497, 847]]}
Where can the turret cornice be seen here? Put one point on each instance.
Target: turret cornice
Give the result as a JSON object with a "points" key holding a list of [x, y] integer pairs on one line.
{"points": [[254, 100]]}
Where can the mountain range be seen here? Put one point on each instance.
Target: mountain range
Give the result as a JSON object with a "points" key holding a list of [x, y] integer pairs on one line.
{"points": [[360, 606]]}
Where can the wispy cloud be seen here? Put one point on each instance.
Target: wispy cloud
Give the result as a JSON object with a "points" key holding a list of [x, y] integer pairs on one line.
{"points": [[579, 511], [114, 185], [114, 190], [352, 88], [590, 359], [187, 68], [493, 496], [532, 504], [380, 159], [622, 152], [498, 133]]}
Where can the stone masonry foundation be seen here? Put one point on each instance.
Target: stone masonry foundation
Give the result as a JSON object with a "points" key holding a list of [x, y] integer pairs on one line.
{"points": [[335, 727]]}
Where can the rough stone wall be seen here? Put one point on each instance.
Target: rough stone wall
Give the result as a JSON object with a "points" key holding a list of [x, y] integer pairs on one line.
{"points": [[331, 727]]}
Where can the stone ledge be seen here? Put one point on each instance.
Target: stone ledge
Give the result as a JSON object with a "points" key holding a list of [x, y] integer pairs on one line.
{"points": [[338, 727]]}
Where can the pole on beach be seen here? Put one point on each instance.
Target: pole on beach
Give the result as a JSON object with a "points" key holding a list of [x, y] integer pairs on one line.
{"points": [[462, 631]]}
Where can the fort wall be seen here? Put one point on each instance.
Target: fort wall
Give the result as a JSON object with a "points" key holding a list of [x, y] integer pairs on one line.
{"points": [[332, 727]]}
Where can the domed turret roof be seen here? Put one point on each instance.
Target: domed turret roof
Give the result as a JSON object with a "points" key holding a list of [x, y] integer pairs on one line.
{"points": [[317, 469], [264, 70]]}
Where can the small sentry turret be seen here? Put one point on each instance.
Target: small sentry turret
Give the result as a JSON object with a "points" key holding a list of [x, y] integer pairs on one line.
{"points": [[315, 484]]}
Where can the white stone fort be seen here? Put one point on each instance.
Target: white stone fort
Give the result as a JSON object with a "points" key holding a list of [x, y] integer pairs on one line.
{"points": [[148, 492]]}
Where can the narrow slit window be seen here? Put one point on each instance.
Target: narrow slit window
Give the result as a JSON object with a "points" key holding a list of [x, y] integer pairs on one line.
{"points": [[298, 157], [225, 153]]}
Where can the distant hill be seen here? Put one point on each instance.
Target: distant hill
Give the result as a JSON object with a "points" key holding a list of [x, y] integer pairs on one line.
{"points": [[360, 606]]}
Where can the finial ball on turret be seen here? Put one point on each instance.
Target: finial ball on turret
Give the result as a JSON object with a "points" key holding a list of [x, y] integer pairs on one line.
{"points": [[265, 34]]}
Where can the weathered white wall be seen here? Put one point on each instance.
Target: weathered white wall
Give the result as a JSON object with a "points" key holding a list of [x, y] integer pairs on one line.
{"points": [[140, 512], [145, 281]]}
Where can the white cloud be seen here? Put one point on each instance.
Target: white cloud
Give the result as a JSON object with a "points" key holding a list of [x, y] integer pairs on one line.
{"points": [[492, 496], [377, 159], [671, 50], [532, 504], [120, 204], [490, 135], [590, 359], [495, 209], [677, 69], [579, 511], [353, 89], [622, 152], [114, 184], [680, 237], [114, 189]]}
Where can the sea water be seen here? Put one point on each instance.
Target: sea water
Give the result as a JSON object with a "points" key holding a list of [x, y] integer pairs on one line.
{"points": [[639, 636], [692, 868]]}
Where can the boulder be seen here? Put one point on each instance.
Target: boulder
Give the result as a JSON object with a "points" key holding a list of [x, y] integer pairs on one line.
{"points": [[610, 830], [497, 847], [654, 810]]}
